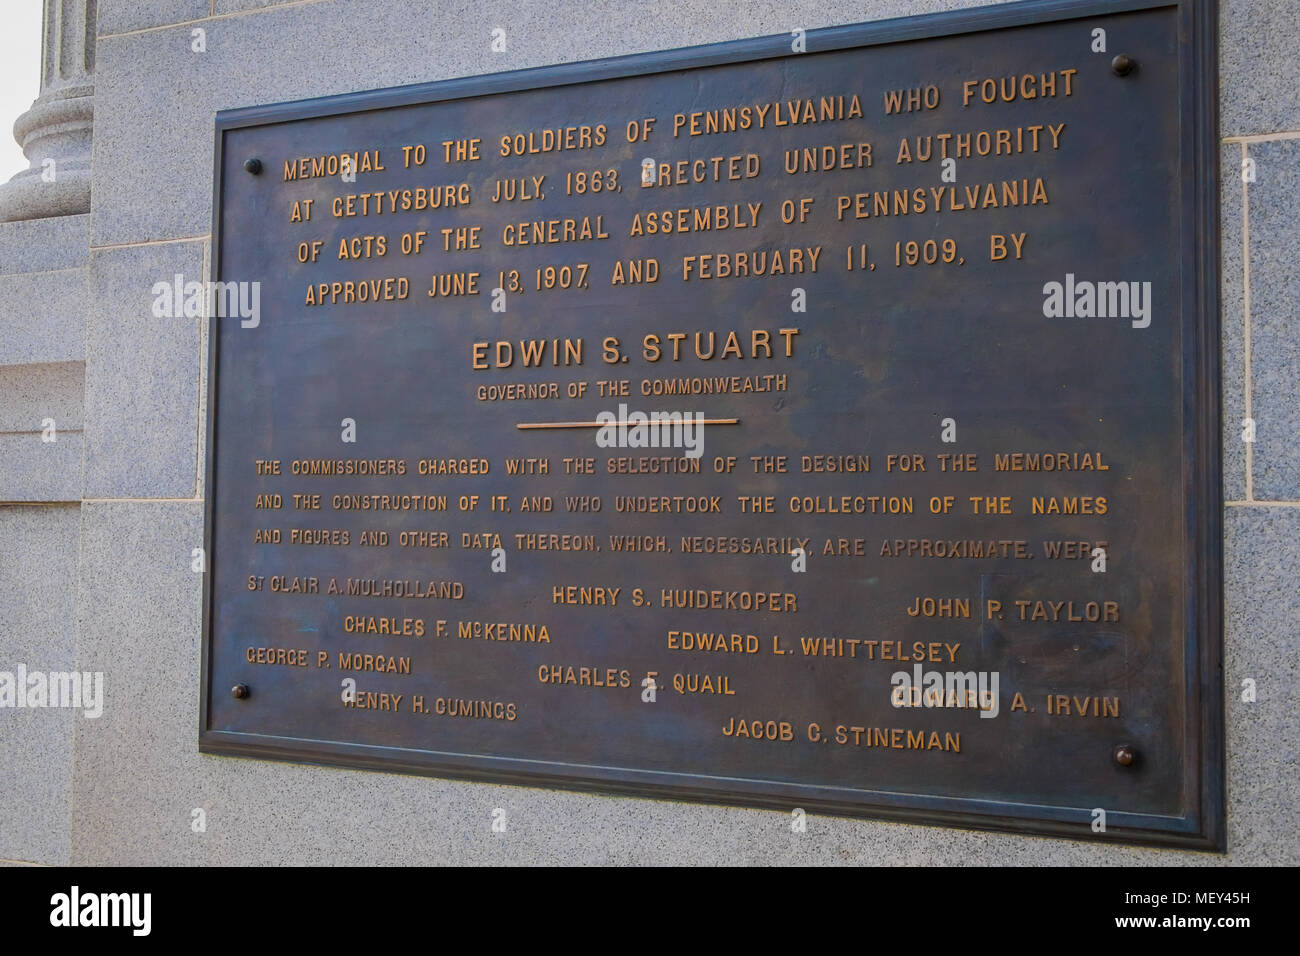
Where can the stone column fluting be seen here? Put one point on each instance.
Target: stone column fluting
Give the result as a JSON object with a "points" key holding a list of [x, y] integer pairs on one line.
{"points": [[55, 133]]}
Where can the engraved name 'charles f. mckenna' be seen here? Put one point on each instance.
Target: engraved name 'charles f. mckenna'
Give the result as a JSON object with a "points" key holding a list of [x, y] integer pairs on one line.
{"points": [[507, 631]]}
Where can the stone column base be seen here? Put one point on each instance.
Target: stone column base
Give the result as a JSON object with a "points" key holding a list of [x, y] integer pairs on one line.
{"points": [[57, 128]]}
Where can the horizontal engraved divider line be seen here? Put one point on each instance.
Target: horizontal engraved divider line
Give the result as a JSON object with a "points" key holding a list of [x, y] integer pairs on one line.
{"points": [[132, 243], [41, 431], [525, 426], [1263, 137]]}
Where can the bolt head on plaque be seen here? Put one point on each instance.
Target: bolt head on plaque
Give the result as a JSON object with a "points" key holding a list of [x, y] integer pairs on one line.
{"points": [[1123, 65], [240, 692], [253, 165], [1125, 755]]}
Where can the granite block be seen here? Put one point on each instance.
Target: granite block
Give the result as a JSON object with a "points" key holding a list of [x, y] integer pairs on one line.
{"points": [[44, 245], [33, 468], [36, 470], [142, 375], [43, 317], [1257, 44], [38, 572], [1233, 323], [1262, 635], [31, 393], [1274, 319], [120, 16], [139, 624]]}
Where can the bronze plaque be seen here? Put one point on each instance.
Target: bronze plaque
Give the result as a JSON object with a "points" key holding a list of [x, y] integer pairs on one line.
{"points": [[825, 422]]}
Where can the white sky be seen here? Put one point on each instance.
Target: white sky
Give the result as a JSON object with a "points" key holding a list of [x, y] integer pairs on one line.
{"points": [[20, 75]]}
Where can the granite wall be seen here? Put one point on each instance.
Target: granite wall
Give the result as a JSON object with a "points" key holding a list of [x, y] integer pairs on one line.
{"points": [[97, 528]]}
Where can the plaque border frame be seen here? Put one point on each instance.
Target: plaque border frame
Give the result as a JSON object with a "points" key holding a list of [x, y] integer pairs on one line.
{"points": [[1204, 826]]}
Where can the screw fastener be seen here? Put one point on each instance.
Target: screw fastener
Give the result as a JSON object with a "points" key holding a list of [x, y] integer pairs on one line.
{"points": [[239, 691], [1123, 65], [253, 165], [1124, 755]]}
